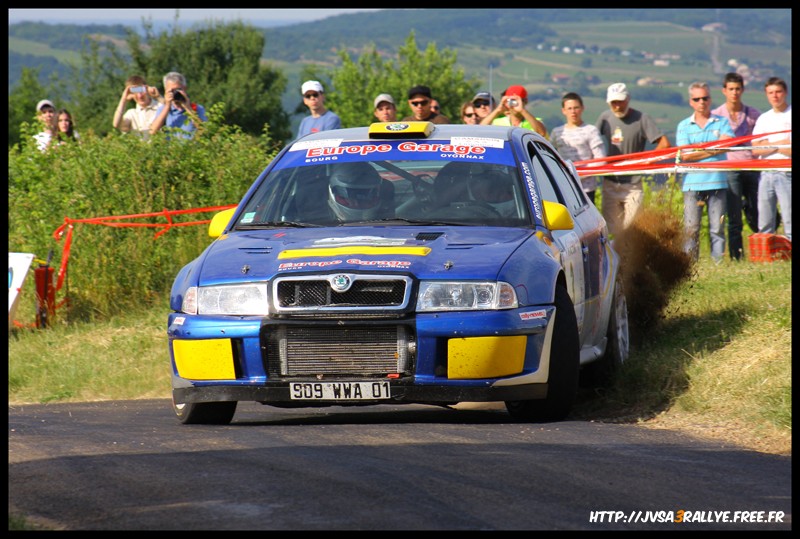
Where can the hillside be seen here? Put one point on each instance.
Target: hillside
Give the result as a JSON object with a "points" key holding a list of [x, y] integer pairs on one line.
{"points": [[551, 51]]}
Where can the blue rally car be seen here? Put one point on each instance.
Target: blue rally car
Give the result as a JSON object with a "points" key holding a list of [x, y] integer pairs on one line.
{"points": [[402, 262]]}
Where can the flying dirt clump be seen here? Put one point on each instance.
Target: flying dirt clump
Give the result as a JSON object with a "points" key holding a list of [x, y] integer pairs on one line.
{"points": [[653, 265]]}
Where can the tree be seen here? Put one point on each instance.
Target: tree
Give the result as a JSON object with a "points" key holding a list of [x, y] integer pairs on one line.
{"points": [[222, 64], [22, 101], [355, 83]]}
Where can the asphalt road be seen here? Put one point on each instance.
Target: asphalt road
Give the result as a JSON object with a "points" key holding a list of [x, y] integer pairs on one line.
{"points": [[130, 465]]}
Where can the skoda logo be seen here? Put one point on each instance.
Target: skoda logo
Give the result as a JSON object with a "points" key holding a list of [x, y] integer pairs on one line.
{"points": [[340, 282], [397, 127]]}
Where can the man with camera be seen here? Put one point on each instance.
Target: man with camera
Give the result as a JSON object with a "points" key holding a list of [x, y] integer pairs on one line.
{"points": [[178, 111], [511, 111], [139, 118]]}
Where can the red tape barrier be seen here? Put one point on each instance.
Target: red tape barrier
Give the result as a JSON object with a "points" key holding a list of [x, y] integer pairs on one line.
{"points": [[654, 161]]}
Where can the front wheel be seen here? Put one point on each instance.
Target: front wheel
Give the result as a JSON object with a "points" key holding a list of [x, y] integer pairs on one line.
{"points": [[204, 413], [562, 382]]}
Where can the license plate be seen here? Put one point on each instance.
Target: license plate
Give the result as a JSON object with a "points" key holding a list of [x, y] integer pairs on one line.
{"points": [[339, 391]]}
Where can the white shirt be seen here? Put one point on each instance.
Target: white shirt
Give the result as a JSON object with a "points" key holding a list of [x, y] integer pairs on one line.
{"points": [[42, 139], [138, 119], [770, 122]]}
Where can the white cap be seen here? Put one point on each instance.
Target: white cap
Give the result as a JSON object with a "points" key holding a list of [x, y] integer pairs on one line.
{"points": [[311, 85], [44, 103], [617, 92], [383, 97]]}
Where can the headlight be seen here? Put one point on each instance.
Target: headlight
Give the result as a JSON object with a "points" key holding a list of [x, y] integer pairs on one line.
{"points": [[465, 296], [244, 299]]}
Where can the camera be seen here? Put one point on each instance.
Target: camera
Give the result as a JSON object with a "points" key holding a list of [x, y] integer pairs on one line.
{"points": [[177, 96], [512, 103], [138, 89]]}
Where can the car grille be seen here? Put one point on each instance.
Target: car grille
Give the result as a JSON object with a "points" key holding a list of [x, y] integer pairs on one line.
{"points": [[337, 350], [341, 292]]}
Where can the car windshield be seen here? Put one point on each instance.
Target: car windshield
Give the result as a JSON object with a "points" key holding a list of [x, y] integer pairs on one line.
{"points": [[345, 190]]}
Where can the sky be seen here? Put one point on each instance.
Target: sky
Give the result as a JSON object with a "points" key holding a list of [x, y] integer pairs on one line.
{"points": [[130, 16]]}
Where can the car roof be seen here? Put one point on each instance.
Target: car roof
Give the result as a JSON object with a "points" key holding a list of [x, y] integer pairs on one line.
{"points": [[437, 131]]}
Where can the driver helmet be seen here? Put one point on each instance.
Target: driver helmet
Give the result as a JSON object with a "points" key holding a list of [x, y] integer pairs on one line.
{"points": [[354, 191], [495, 188]]}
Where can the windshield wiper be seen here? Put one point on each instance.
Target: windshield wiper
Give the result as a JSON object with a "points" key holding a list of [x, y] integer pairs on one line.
{"points": [[277, 224], [401, 220]]}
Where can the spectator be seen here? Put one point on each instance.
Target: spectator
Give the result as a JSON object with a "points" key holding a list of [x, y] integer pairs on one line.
{"points": [[511, 111], [701, 189], [45, 113], [420, 99], [178, 111], [435, 106], [140, 118], [469, 115], [577, 140], [484, 103], [742, 184], [385, 108], [624, 130], [66, 128], [774, 186], [321, 119]]}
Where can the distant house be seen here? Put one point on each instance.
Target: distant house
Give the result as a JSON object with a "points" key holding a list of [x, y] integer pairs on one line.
{"points": [[661, 63], [714, 27], [560, 78]]}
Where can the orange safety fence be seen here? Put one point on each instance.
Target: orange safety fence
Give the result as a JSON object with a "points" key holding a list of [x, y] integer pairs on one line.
{"points": [[69, 225]]}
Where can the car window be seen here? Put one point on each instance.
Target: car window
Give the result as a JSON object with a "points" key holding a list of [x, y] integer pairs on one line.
{"points": [[394, 182], [572, 193], [545, 179]]}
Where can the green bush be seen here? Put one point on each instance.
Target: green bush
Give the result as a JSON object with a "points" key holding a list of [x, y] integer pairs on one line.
{"points": [[113, 268]]}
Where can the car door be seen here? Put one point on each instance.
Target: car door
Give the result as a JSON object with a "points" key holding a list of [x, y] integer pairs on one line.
{"points": [[569, 242], [591, 232]]}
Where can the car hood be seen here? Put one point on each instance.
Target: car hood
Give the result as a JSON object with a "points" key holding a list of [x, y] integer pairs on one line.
{"points": [[430, 252]]}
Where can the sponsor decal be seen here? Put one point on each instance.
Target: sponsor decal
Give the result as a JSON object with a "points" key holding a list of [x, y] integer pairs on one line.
{"points": [[354, 261], [397, 127], [533, 315], [537, 208], [478, 141], [355, 250], [324, 143]]}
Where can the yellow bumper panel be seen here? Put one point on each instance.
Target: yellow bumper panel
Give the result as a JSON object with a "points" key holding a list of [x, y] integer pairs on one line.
{"points": [[485, 357], [208, 359]]}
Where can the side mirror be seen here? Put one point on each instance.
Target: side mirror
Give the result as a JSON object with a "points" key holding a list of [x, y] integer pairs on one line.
{"points": [[557, 216], [220, 221]]}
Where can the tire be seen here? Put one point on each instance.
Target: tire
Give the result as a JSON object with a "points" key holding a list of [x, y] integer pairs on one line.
{"points": [[562, 383], [204, 413], [601, 373]]}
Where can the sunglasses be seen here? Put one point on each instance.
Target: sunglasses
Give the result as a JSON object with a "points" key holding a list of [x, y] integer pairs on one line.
{"points": [[470, 115], [310, 95], [480, 103], [419, 103], [696, 99]]}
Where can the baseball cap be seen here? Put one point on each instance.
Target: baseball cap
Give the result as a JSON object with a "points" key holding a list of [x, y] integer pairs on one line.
{"points": [[617, 92], [44, 103], [517, 90], [420, 90], [486, 96], [309, 85], [384, 97]]}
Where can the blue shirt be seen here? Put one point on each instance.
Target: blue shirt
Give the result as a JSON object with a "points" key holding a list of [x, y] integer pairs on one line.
{"points": [[329, 120], [178, 118], [690, 133]]}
